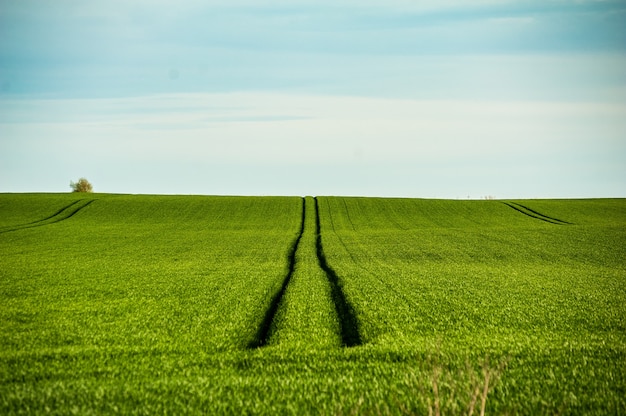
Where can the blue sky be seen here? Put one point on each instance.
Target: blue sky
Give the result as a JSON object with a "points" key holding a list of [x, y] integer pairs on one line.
{"points": [[448, 99]]}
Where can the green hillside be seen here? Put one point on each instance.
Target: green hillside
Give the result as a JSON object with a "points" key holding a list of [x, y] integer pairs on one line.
{"points": [[285, 305]]}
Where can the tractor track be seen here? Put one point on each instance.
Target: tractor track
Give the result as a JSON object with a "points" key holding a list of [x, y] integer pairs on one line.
{"points": [[540, 214], [63, 214], [263, 333], [534, 214], [349, 329], [348, 322]]}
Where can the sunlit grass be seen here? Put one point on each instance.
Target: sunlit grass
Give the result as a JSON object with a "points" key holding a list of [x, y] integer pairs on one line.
{"points": [[149, 304]]}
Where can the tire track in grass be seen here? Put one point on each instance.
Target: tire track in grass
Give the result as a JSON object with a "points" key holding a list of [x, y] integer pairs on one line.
{"points": [[307, 317], [19, 226], [540, 214], [348, 322], [61, 215], [349, 330], [359, 263], [59, 212], [534, 214], [263, 333], [345, 205]]}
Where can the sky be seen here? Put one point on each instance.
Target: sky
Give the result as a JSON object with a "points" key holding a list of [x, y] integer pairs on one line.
{"points": [[397, 98]]}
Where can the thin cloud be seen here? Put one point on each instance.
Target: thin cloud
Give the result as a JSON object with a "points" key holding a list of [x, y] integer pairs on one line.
{"points": [[321, 97]]}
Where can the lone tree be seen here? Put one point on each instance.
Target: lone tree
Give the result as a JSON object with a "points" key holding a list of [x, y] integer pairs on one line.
{"points": [[82, 185]]}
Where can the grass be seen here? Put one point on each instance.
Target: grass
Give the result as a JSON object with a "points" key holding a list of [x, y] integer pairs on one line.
{"points": [[154, 304], [484, 279]]}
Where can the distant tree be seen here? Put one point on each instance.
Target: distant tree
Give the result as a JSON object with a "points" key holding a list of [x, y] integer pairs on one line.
{"points": [[82, 185]]}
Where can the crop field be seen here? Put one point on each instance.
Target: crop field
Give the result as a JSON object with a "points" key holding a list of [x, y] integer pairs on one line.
{"points": [[145, 304]]}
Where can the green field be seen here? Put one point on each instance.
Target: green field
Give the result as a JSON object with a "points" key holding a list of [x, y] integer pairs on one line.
{"points": [[138, 304]]}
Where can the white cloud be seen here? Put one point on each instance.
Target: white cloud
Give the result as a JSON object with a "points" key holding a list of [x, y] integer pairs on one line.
{"points": [[269, 128], [268, 143]]}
